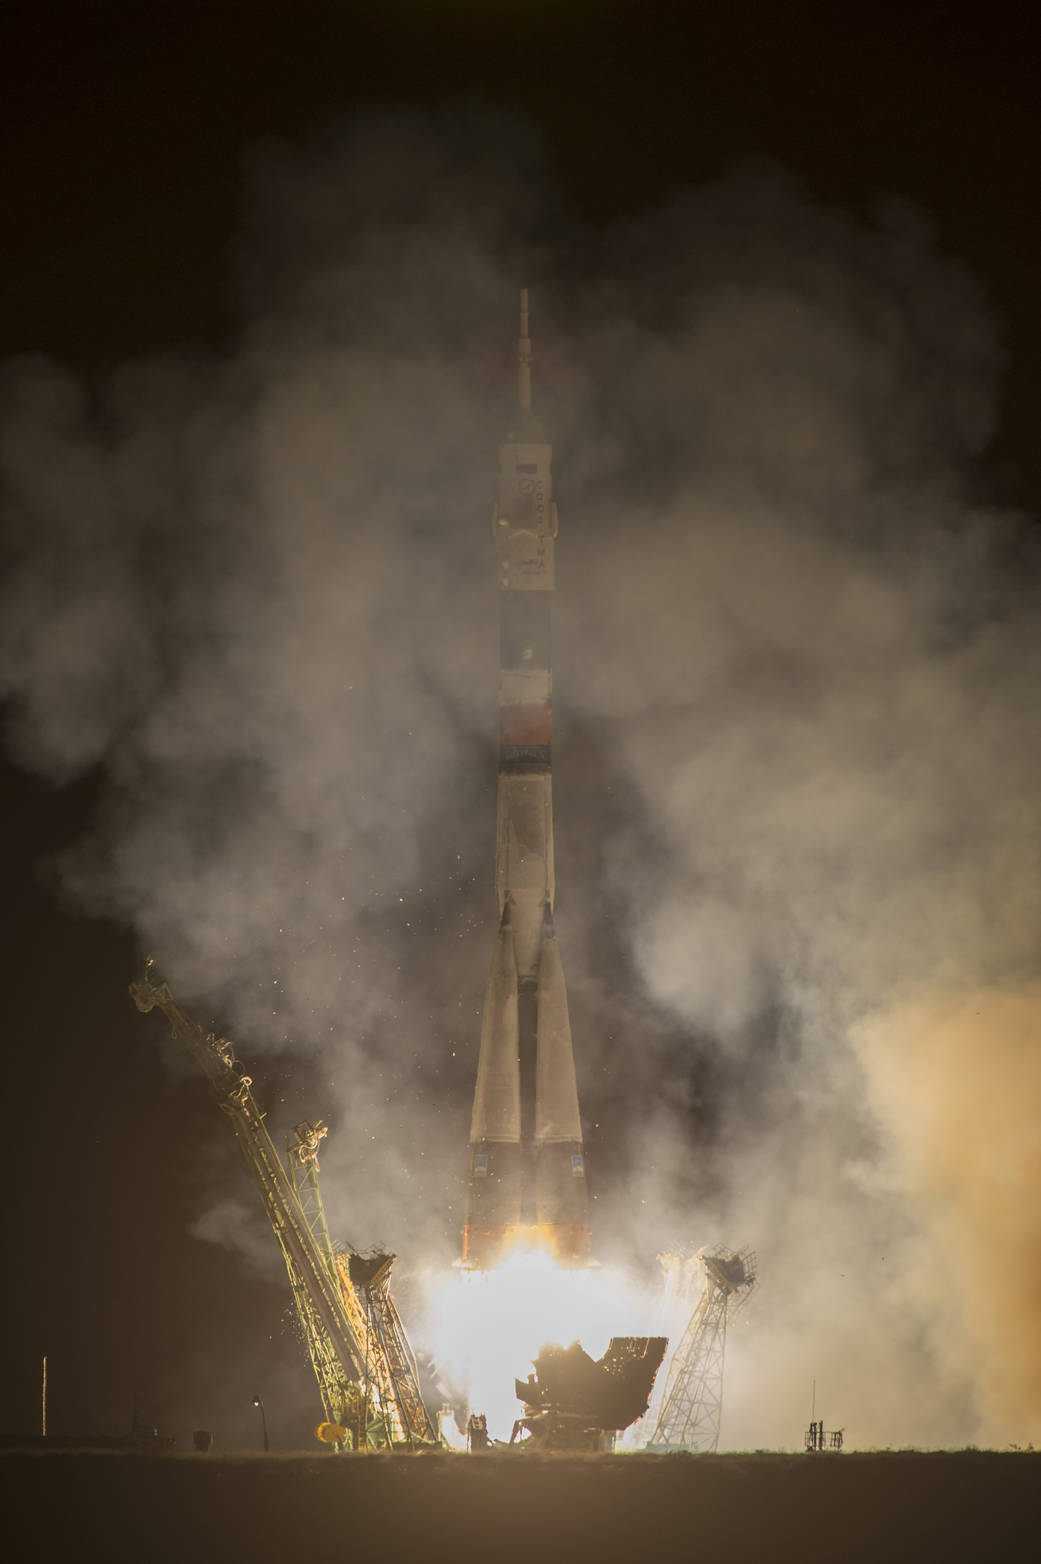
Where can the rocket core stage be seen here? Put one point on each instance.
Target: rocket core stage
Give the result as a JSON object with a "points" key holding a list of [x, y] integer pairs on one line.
{"points": [[527, 1184]]}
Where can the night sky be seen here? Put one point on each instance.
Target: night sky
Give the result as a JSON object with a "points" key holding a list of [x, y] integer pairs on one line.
{"points": [[126, 131]]}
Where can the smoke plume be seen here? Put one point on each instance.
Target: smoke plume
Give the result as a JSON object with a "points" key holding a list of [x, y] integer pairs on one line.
{"points": [[796, 663]]}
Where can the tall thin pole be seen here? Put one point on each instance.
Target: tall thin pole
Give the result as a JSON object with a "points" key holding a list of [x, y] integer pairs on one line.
{"points": [[43, 1405], [258, 1402]]}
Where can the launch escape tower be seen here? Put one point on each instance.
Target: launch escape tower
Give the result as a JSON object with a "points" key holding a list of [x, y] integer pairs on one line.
{"points": [[366, 1373], [689, 1415], [527, 1181]]}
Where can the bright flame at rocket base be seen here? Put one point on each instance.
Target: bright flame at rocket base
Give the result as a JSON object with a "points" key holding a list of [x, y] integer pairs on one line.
{"points": [[527, 1177], [485, 1328]]}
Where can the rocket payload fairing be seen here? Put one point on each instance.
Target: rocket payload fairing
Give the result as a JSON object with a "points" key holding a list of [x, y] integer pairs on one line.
{"points": [[527, 1182]]}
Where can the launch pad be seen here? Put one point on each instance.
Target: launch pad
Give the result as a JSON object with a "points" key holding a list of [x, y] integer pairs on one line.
{"points": [[572, 1403]]}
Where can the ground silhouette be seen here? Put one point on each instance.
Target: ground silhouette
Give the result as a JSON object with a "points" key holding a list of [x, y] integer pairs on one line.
{"points": [[85, 1505]]}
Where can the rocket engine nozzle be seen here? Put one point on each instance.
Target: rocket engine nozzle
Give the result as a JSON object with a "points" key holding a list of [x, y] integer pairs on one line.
{"points": [[485, 1248]]}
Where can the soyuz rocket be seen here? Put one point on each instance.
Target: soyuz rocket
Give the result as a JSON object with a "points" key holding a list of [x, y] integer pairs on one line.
{"points": [[527, 1179]]}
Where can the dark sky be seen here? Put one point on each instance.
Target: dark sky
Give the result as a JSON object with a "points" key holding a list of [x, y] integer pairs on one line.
{"points": [[125, 128]]}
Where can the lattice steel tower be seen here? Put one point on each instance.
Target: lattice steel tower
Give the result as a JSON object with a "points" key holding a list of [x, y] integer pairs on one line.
{"points": [[361, 1357], [692, 1404]]}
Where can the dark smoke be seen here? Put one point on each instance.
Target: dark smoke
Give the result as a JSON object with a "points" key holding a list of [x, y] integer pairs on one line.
{"points": [[797, 729]]}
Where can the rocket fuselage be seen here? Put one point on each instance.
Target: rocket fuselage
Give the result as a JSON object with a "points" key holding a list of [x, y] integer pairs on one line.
{"points": [[527, 1183]]}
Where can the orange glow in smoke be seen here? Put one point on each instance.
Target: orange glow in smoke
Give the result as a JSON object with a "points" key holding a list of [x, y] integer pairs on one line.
{"points": [[485, 1248]]}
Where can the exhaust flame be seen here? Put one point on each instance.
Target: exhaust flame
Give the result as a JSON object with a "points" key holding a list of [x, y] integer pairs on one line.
{"points": [[485, 1327]]}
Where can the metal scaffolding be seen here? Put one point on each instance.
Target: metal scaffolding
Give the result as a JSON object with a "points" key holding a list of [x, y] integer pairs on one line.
{"points": [[691, 1407], [358, 1349]]}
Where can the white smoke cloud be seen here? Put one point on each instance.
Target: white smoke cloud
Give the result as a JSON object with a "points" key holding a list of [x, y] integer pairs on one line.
{"points": [[797, 728]]}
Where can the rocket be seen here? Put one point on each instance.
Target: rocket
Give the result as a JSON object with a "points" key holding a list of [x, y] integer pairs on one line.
{"points": [[527, 1180]]}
